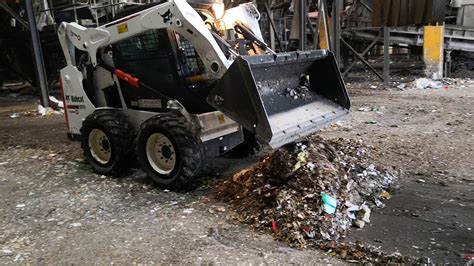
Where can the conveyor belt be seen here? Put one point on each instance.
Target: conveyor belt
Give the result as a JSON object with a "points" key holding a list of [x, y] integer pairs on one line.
{"points": [[455, 37]]}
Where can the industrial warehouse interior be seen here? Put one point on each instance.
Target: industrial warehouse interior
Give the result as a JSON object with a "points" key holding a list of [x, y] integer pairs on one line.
{"points": [[237, 132]]}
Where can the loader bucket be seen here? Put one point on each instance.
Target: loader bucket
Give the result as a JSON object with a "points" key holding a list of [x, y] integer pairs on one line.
{"points": [[263, 93]]}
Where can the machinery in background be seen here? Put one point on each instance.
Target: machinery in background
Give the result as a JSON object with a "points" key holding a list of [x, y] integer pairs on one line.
{"points": [[15, 43], [463, 11], [279, 24]]}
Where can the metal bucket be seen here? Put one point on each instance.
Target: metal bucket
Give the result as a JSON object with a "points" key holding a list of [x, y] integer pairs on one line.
{"points": [[265, 94]]}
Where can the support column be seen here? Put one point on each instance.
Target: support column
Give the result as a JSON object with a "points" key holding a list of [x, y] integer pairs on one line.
{"points": [[324, 26], [38, 54], [386, 56], [303, 12], [272, 32], [433, 51], [336, 16], [447, 64]]}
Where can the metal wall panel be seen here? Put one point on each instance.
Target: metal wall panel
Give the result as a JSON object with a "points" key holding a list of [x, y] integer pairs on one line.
{"points": [[393, 13]]}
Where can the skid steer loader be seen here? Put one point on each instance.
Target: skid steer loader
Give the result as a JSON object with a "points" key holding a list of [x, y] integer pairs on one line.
{"points": [[170, 84]]}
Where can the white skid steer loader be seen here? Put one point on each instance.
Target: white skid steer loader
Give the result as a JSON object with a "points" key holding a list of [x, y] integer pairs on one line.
{"points": [[171, 84]]}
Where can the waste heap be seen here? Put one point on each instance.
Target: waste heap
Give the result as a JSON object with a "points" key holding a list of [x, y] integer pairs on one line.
{"points": [[310, 192]]}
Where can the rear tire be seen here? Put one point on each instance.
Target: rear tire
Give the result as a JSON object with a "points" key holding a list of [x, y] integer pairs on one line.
{"points": [[169, 151], [107, 142]]}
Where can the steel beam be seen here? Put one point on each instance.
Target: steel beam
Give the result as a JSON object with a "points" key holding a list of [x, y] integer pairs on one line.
{"points": [[456, 38], [386, 56], [324, 28], [273, 33], [38, 54], [336, 16], [362, 59], [302, 23], [371, 45]]}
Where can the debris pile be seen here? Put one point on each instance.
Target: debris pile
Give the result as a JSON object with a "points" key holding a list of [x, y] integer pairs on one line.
{"points": [[426, 83], [309, 193]]}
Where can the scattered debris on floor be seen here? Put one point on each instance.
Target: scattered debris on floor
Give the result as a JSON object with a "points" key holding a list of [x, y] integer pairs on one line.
{"points": [[375, 109], [16, 87], [56, 108], [56, 104], [15, 115], [311, 192], [39, 111], [42, 111], [426, 83], [361, 252]]}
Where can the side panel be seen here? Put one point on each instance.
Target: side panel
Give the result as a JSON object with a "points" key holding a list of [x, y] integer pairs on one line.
{"points": [[76, 103], [215, 124]]}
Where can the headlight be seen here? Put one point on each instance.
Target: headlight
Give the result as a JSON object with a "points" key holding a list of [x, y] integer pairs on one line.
{"points": [[218, 9]]}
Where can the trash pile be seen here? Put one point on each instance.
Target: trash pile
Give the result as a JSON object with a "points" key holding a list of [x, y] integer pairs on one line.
{"points": [[56, 107], [426, 83], [309, 193]]}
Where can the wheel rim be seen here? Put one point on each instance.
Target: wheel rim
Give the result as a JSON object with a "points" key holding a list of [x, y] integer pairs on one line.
{"points": [[161, 153], [99, 146]]}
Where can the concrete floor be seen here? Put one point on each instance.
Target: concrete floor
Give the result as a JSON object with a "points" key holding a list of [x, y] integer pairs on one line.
{"points": [[55, 209]]}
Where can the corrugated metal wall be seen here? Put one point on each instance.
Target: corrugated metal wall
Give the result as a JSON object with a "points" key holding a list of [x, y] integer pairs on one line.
{"points": [[394, 13]]}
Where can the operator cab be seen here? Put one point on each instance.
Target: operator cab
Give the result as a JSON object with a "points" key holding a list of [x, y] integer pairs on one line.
{"points": [[165, 61]]}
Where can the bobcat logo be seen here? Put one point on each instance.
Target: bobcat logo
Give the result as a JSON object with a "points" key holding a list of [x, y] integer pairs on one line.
{"points": [[77, 36], [166, 16]]}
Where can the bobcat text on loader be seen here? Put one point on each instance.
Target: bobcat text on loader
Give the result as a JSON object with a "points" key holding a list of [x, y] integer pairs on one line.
{"points": [[173, 82]]}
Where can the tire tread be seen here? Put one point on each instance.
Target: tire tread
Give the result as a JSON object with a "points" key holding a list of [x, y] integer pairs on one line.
{"points": [[187, 142], [120, 135]]}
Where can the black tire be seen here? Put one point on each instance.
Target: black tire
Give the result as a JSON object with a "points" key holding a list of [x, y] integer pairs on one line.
{"points": [[185, 152], [119, 135]]}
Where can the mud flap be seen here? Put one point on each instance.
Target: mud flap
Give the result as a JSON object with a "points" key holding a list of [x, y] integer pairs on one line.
{"points": [[256, 91]]}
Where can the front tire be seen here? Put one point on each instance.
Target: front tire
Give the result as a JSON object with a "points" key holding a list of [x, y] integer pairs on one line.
{"points": [[169, 150], [107, 142]]}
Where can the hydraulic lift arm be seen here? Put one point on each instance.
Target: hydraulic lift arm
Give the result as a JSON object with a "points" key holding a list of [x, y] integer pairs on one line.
{"points": [[176, 15]]}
